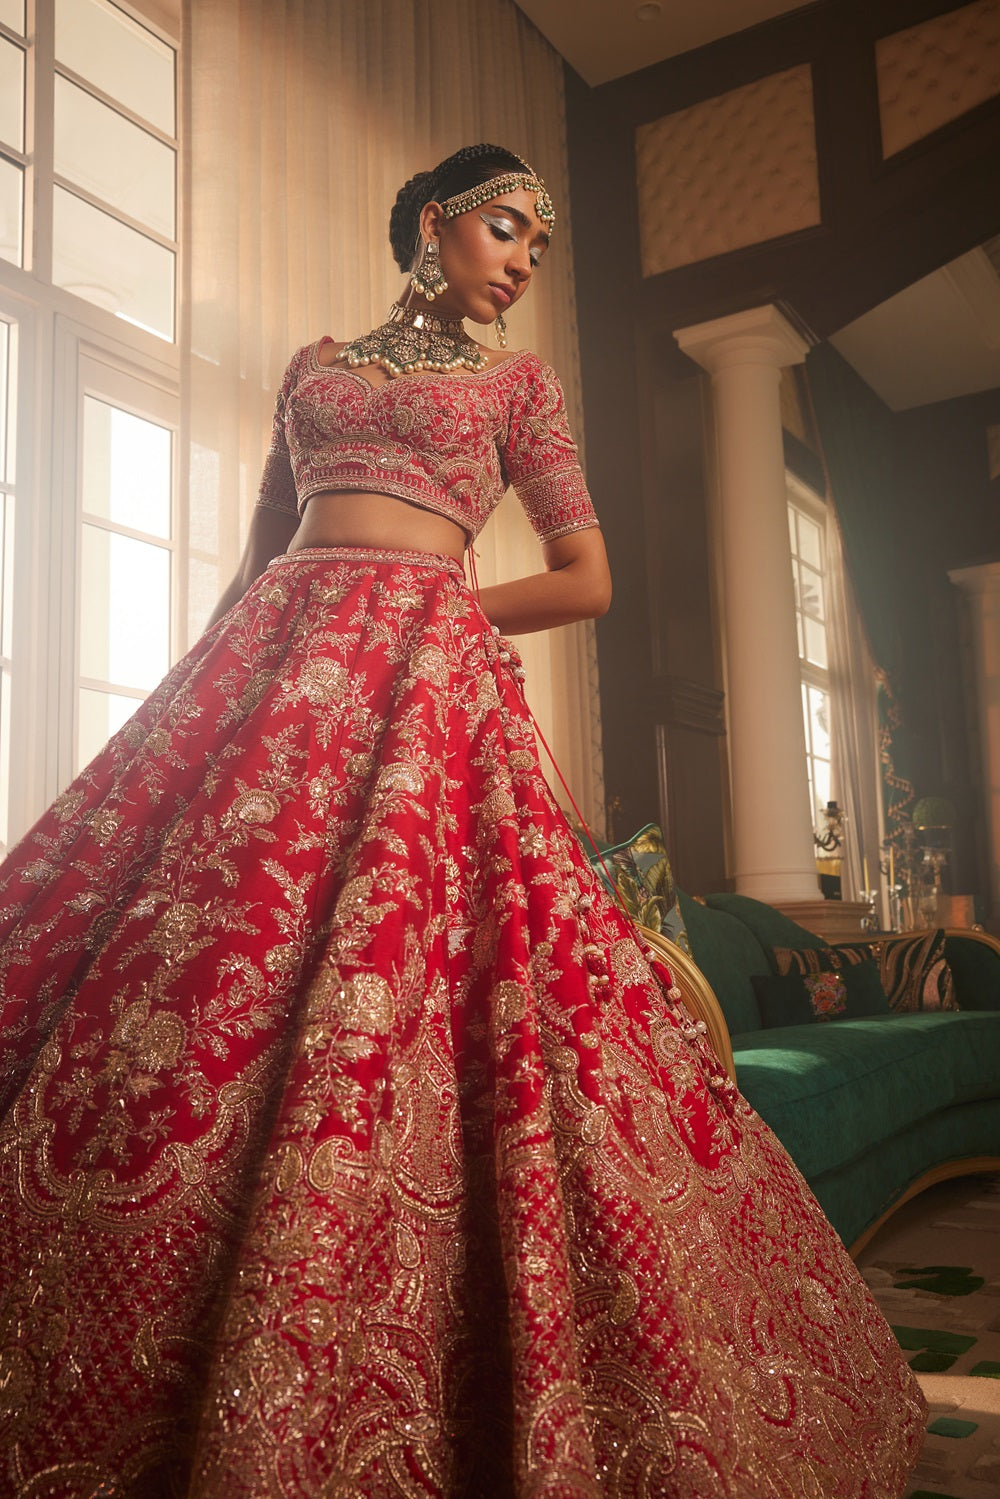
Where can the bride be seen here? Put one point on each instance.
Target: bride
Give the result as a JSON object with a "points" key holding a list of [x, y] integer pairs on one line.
{"points": [[351, 1142]]}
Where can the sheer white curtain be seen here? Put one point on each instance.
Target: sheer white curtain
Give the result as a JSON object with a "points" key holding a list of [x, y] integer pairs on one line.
{"points": [[303, 120], [854, 770]]}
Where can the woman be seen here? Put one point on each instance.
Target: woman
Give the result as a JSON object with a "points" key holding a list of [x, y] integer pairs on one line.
{"points": [[352, 1146]]}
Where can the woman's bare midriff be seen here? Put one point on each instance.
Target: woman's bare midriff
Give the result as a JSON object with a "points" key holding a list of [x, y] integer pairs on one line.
{"points": [[347, 518]]}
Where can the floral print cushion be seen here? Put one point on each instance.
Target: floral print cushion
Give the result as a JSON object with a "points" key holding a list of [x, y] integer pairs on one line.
{"points": [[639, 869]]}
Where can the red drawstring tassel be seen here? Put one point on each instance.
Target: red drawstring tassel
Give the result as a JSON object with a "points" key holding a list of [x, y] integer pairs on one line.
{"points": [[471, 554]]}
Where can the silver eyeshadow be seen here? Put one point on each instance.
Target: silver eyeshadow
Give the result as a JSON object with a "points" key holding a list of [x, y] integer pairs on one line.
{"points": [[498, 222]]}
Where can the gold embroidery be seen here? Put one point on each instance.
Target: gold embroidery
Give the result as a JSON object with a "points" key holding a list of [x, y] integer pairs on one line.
{"points": [[349, 1128]]}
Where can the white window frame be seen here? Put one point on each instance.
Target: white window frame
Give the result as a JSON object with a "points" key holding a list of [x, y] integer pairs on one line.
{"points": [[811, 675], [61, 338]]}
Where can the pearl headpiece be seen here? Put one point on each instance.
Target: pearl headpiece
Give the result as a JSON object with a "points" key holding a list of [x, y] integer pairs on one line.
{"points": [[483, 192]]}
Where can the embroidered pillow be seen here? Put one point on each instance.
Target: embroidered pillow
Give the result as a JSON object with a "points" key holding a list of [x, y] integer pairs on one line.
{"points": [[798, 998], [913, 969], [641, 871]]}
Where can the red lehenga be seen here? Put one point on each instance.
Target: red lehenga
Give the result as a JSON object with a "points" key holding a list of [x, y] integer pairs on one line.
{"points": [[350, 1145]]}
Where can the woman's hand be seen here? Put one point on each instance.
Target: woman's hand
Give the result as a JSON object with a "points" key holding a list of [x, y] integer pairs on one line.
{"points": [[576, 585], [269, 535]]}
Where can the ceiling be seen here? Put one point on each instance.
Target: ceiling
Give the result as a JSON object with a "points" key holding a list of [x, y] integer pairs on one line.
{"points": [[605, 39], [936, 339]]}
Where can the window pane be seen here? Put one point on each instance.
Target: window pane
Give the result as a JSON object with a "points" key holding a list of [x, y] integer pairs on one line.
{"points": [[819, 722], [111, 265], [113, 159], [815, 652], [810, 541], [811, 592], [11, 95], [12, 15], [108, 48], [11, 196], [125, 614], [101, 714], [126, 469], [822, 783]]}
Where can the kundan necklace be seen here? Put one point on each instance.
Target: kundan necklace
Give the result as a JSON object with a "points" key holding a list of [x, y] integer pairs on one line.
{"points": [[414, 340]]}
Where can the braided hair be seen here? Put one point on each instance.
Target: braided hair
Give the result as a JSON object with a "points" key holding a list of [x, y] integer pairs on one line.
{"points": [[456, 174]]}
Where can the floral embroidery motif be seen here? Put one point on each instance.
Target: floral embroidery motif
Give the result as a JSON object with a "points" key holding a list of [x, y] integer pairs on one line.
{"points": [[827, 994], [349, 1144], [448, 443]]}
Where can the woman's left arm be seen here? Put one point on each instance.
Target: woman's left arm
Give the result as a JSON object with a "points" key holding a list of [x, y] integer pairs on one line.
{"points": [[575, 585]]}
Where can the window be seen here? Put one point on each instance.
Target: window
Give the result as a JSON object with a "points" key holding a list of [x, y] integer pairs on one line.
{"points": [[114, 164], [806, 525], [8, 369], [13, 160], [125, 556], [92, 553]]}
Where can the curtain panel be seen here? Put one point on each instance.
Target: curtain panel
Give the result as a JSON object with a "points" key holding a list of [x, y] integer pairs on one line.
{"points": [[860, 460], [302, 121], [856, 736]]}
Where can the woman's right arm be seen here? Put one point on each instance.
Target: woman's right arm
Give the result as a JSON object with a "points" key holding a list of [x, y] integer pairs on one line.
{"points": [[270, 532]]}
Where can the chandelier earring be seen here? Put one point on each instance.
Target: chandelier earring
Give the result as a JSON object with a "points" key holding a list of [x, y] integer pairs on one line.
{"points": [[427, 279], [501, 328]]}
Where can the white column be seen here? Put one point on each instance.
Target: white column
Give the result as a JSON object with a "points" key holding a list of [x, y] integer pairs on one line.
{"points": [[773, 851], [982, 587]]}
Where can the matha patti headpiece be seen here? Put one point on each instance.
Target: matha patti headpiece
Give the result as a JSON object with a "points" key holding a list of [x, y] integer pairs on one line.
{"points": [[483, 192]]}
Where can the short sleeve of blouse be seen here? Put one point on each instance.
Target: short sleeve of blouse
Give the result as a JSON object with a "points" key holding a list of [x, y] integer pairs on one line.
{"points": [[277, 484], [540, 458]]}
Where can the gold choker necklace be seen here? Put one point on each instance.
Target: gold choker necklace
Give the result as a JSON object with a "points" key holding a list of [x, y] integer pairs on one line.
{"points": [[414, 340]]}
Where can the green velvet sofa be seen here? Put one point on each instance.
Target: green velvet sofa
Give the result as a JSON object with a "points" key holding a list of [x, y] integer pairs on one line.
{"points": [[872, 1110]]}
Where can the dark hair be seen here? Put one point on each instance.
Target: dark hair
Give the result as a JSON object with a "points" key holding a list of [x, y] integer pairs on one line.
{"points": [[456, 174]]}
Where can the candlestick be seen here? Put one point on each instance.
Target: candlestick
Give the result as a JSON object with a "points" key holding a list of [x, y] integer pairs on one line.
{"points": [[892, 866], [864, 863]]}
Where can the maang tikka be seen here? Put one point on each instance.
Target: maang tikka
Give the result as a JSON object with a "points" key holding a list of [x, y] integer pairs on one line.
{"points": [[427, 279]]}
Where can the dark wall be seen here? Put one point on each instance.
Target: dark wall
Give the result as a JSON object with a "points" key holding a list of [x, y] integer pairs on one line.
{"points": [[953, 514], [883, 226], [915, 500]]}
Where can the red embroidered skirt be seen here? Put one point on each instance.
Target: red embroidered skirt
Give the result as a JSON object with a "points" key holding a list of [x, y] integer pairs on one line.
{"points": [[350, 1146]]}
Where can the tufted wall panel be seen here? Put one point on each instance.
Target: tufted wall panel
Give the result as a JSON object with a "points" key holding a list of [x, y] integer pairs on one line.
{"points": [[730, 171], [934, 72]]}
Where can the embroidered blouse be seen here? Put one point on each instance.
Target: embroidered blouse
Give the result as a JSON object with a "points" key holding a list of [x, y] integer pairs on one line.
{"points": [[447, 443]]}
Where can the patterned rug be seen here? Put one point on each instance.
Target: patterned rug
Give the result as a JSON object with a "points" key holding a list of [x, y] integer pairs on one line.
{"points": [[934, 1269]]}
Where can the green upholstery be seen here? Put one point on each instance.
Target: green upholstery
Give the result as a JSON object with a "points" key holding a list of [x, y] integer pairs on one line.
{"points": [[856, 1195], [865, 1107], [832, 1092], [769, 926], [727, 953]]}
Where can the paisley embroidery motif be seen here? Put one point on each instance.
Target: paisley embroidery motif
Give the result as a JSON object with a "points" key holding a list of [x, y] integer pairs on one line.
{"points": [[352, 1147]]}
